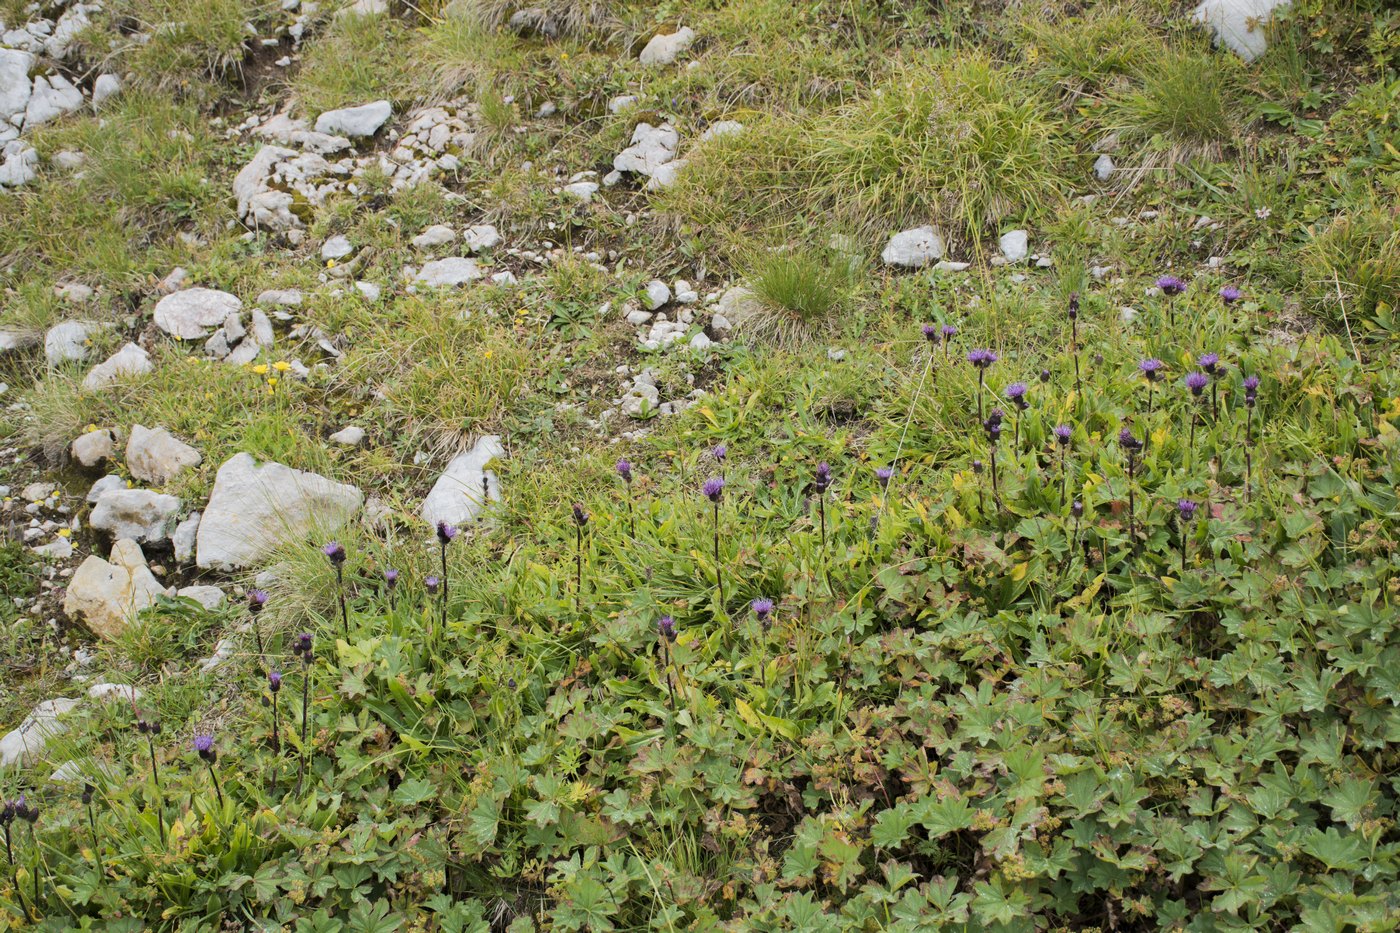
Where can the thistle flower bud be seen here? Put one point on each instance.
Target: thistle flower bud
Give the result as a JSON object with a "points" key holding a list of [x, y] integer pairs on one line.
{"points": [[624, 469], [823, 479], [1077, 509], [883, 475], [445, 533], [713, 488], [666, 628], [256, 600], [334, 553]]}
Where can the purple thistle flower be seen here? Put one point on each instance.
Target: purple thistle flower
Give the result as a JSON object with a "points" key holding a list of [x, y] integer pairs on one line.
{"points": [[624, 469], [719, 452], [1045, 375], [930, 332], [445, 533], [1073, 305], [1077, 509], [762, 608], [1251, 384], [666, 627], [713, 488], [1017, 393], [823, 480], [204, 745], [981, 358], [1063, 433], [1186, 509], [302, 643], [1197, 382], [1151, 367], [977, 466], [1209, 361], [256, 600], [1230, 294], [1171, 285], [883, 476], [580, 515], [431, 585], [334, 552], [949, 332], [1127, 441], [391, 577], [274, 680]]}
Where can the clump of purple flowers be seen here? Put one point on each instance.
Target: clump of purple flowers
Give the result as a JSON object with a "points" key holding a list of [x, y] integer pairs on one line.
{"points": [[1186, 512], [624, 470], [713, 490], [982, 359], [336, 555], [1150, 369], [1063, 434], [204, 748]]}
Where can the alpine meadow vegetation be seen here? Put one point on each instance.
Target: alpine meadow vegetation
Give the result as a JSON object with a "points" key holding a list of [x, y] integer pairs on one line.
{"points": [[597, 466]]}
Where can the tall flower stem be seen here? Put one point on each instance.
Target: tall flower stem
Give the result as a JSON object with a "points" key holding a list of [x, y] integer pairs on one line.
{"points": [[213, 776], [442, 552], [1132, 519], [305, 711], [340, 591], [92, 825], [1064, 478], [1074, 351], [719, 570], [666, 672], [1248, 446], [631, 513], [578, 572], [996, 488], [980, 374]]}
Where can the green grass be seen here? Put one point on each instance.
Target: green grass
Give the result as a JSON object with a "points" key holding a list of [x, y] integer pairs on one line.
{"points": [[1187, 104], [191, 41], [799, 289]]}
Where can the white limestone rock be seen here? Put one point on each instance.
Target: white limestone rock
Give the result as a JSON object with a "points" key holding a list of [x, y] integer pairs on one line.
{"points": [[25, 744], [436, 235], [142, 515], [355, 122], [94, 447], [663, 50], [191, 313], [69, 341], [465, 488], [913, 249], [127, 362], [210, 597], [1239, 25], [450, 272], [1015, 246], [104, 89], [107, 595], [351, 436], [480, 237], [255, 508], [651, 148], [154, 455]]}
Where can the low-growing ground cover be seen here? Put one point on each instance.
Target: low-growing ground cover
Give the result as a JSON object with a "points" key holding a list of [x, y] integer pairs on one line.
{"points": [[1053, 592]]}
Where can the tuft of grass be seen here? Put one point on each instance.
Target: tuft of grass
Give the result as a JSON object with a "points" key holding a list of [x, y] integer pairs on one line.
{"points": [[358, 59], [556, 17], [1187, 103], [799, 290], [189, 38], [957, 140], [1088, 52], [1353, 266]]}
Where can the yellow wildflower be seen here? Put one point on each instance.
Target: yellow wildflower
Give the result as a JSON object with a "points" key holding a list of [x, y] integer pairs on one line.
{"points": [[260, 369], [281, 366]]}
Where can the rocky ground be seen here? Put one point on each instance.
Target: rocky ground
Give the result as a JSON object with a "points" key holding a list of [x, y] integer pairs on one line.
{"points": [[280, 273]]}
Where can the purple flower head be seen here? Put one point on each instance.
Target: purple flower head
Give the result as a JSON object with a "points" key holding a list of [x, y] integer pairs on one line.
{"points": [[1045, 375], [204, 745], [624, 469], [302, 643], [1230, 294], [713, 488], [883, 476], [1197, 382], [334, 553], [1073, 305], [1017, 393], [996, 416], [1209, 361], [981, 358], [823, 480], [977, 466], [1063, 433], [1127, 441], [446, 533], [666, 627], [1251, 384], [274, 680], [1077, 509], [993, 428], [1171, 285], [580, 516], [1186, 509], [391, 577], [719, 452], [762, 608], [256, 600], [1151, 367], [930, 332], [949, 332], [431, 585]]}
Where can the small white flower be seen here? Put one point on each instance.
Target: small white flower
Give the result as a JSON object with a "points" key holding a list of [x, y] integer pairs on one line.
{"points": [[1263, 213]]}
